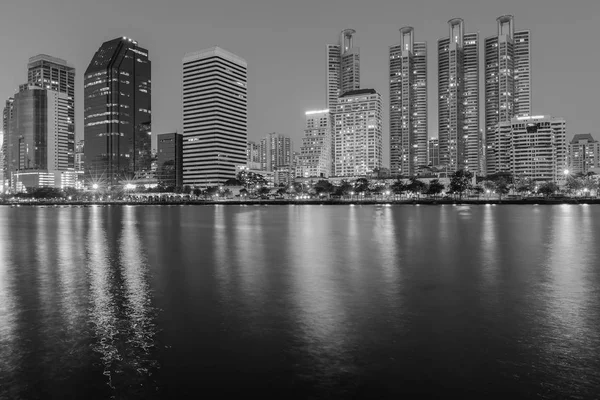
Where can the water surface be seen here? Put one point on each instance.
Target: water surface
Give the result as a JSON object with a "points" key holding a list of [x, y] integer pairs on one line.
{"points": [[300, 301]]}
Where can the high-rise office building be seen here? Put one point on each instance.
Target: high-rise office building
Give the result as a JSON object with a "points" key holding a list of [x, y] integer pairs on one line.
{"points": [[343, 67], [538, 147], [1, 161], [169, 158], [117, 113], [275, 150], [39, 151], [215, 116], [408, 104], [315, 151], [358, 133], [584, 153], [507, 83], [458, 100]]}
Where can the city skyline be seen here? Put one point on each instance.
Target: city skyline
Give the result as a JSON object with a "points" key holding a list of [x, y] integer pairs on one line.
{"points": [[283, 55]]}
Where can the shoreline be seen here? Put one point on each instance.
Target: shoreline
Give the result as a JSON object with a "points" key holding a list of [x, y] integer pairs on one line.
{"points": [[307, 202]]}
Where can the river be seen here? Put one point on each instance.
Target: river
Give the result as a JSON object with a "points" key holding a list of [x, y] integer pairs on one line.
{"points": [[300, 302]]}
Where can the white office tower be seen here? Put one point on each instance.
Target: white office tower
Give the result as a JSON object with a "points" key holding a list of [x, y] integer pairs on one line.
{"points": [[458, 100], [532, 147], [316, 148], [507, 82], [408, 105], [215, 116], [358, 133]]}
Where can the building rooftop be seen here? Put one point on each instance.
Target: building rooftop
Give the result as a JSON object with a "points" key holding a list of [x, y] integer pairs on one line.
{"points": [[214, 51], [46, 57], [359, 92], [583, 137]]}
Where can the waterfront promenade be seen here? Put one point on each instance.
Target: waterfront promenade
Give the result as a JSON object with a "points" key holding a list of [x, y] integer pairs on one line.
{"points": [[268, 202]]}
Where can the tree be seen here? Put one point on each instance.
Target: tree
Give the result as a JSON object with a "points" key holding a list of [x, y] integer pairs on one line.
{"points": [[324, 187], [399, 187], [343, 189], [460, 181], [263, 191], [502, 186], [281, 191], [435, 188], [416, 186], [573, 184], [478, 190], [197, 192], [548, 188], [187, 189], [361, 185]]}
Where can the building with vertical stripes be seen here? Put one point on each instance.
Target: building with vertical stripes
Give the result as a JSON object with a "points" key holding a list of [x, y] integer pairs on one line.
{"points": [[408, 105], [507, 84], [458, 98], [215, 116]]}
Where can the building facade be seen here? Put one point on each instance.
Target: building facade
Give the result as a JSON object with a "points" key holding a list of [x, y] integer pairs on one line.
{"points": [[117, 113], [39, 148], [538, 148], [358, 133], [215, 116], [458, 98], [507, 83], [433, 152], [343, 67], [316, 148], [169, 158], [275, 150], [408, 104], [253, 155], [584, 154]]}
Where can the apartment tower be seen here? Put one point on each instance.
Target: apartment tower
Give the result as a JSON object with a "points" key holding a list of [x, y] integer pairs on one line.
{"points": [[408, 104], [507, 83], [358, 133], [458, 98]]}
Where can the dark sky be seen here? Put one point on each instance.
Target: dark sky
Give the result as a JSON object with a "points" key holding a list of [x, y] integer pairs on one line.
{"points": [[284, 44]]}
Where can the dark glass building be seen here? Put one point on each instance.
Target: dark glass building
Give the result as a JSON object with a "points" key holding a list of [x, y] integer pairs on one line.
{"points": [[170, 159], [117, 113]]}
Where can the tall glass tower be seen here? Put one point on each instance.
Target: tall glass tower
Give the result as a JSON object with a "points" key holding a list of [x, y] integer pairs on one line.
{"points": [[117, 113], [343, 67], [408, 104]]}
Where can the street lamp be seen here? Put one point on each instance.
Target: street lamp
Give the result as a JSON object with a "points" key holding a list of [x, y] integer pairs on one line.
{"points": [[95, 186]]}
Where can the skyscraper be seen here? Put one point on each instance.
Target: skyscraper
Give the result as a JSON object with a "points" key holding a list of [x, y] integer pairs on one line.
{"points": [[507, 82], [275, 150], [215, 116], [315, 151], [117, 113], [408, 104], [6, 119], [56, 74], [458, 101], [38, 139], [358, 133], [253, 155], [343, 67]]}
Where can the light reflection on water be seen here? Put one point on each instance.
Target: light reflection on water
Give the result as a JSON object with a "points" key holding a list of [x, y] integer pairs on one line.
{"points": [[320, 301]]}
